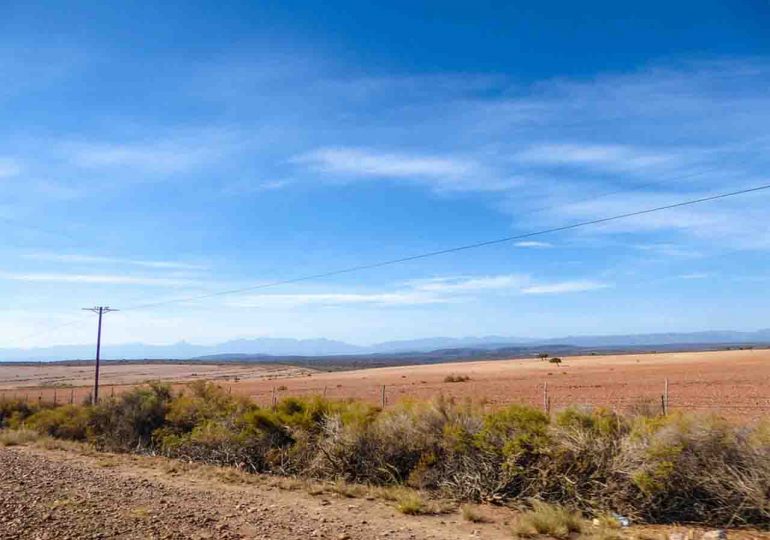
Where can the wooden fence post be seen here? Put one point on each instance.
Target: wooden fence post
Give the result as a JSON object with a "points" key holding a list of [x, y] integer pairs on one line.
{"points": [[665, 398], [546, 399], [382, 396]]}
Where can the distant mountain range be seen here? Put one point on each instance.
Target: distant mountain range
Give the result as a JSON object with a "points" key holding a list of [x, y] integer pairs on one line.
{"points": [[281, 347]]}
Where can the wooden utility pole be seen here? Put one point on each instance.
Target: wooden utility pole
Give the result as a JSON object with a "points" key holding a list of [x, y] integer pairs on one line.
{"points": [[100, 310]]}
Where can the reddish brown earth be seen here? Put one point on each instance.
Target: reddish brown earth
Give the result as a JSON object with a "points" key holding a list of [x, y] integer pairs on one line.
{"points": [[732, 383]]}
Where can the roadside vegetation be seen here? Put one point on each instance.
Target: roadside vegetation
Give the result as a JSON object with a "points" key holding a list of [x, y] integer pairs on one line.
{"points": [[679, 468]]}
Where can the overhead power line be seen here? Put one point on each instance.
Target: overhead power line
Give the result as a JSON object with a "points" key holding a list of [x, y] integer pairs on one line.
{"points": [[455, 249]]}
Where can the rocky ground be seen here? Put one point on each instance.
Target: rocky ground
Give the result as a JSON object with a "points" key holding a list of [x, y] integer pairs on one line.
{"points": [[62, 495], [65, 491]]}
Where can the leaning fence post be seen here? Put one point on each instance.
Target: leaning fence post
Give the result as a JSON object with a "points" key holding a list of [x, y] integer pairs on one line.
{"points": [[382, 396]]}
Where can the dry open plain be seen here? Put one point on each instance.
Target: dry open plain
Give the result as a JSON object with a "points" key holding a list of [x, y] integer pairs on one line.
{"points": [[734, 383]]}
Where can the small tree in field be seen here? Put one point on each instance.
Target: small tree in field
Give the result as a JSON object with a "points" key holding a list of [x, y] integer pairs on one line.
{"points": [[555, 360], [543, 355]]}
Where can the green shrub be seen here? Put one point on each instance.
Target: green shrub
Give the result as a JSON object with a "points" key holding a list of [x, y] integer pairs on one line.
{"points": [[648, 467], [14, 412], [127, 422], [698, 469], [65, 422]]}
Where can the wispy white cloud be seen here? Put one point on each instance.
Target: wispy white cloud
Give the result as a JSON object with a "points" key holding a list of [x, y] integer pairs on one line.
{"points": [[402, 298], [694, 275], [466, 284], [441, 172], [606, 157], [164, 158], [95, 259], [176, 152], [106, 279], [252, 187], [367, 162], [439, 290], [533, 244], [562, 287]]}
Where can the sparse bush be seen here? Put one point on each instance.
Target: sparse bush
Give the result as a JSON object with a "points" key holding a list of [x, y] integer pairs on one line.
{"points": [[13, 413], [456, 378], [549, 520], [555, 360], [65, 422], [645, 466], [16, 437], [688, 468], [127, 422]]}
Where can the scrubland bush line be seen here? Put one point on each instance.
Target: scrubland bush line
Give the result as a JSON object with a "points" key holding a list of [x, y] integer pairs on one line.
{"points": [[655, 469]]}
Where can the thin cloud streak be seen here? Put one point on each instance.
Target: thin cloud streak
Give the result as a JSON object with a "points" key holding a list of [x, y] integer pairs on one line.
{"points": [[103, 279], [440, 290], [365, 162], [96, 259], [563, 287]]}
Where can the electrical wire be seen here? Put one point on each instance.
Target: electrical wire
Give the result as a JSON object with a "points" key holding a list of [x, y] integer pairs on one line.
{"points": [[454, 249]]}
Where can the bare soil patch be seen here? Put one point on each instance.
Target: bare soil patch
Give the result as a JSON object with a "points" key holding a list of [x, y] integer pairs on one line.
{"points": [[48, 494], [733, 383], [50, 376]]}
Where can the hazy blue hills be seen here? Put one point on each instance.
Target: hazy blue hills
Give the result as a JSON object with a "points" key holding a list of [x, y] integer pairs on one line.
{"points": [[282, 347]]}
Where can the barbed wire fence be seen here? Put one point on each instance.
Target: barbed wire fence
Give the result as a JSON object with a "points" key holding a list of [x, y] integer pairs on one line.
{"points": [[546, 395]]}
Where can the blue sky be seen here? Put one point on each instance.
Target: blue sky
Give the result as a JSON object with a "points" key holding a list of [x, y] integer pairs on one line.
{"points": [[164, 150]]}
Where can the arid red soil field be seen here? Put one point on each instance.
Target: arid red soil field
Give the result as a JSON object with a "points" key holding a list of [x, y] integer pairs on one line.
{"points": [[49, 376], [733, 383]]}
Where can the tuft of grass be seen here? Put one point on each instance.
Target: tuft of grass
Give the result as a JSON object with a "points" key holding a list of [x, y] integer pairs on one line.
{"points": [[408, 501], [548, 519], [471, 513], [411, 503], [17, 437], [346, 489], [51, 443]]}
